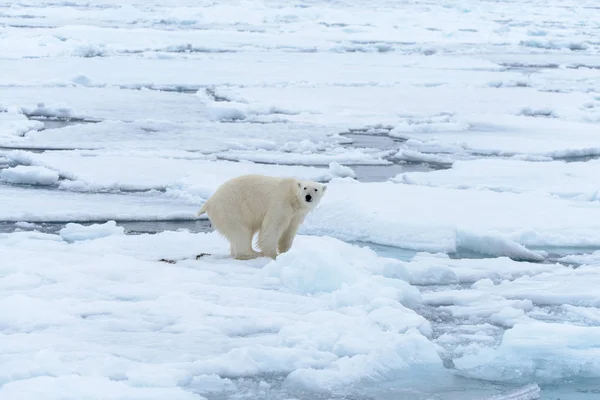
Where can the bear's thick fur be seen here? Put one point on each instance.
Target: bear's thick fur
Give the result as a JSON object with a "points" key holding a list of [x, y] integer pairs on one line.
{"points": [[273, 207]]}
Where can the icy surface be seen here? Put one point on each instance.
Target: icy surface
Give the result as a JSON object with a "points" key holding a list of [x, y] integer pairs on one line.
{"points": [[18, 204], [190, 173], [29, 175], [575, 180], [75, 232], [459, 141], [443, 219], [320, 321]]}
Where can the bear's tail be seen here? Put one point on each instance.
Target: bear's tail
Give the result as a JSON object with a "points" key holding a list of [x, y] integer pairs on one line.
{"points": [[203, 209]]}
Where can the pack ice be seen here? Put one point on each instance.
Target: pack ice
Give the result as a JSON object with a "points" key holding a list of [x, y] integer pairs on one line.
{"points": [[455, 255]]}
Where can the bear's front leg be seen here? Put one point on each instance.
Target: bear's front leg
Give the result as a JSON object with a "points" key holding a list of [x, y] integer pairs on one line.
{"points": [[270, 232], [287, 238]]}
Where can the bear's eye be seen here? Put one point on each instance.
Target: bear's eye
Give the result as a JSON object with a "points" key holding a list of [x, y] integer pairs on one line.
{"points": [[304, 188], [316, 190]]}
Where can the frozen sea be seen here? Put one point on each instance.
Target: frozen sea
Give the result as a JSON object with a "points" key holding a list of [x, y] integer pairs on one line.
{"points": [[455, 256]]}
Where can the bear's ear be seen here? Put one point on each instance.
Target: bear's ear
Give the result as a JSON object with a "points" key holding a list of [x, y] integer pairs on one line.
{"points": [[299, 184], [324, 188]]}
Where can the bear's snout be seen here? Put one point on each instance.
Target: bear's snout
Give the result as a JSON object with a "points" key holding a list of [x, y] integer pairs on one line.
{"points": [[308, 198]]}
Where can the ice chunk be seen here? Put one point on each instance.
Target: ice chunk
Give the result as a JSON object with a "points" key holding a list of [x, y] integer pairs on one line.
{"points": [[495, 244], [591, 259], [400, 356], [88, 50], [227, 113], [76, 232], [528, 392], [209, 384], [537, 351], [17, 125], [327, 271], [26, 225], [321, 272], [83, 80], [41, 110], [416, 156], [336, 169], [29, 175], [439, 123], [554, 287], [479, 305]]}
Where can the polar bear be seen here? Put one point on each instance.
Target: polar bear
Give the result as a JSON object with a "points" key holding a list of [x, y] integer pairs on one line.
{"points": [[273, 207]]}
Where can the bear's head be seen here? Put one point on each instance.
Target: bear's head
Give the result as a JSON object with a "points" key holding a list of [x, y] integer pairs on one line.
{"points": [[310, 193]]}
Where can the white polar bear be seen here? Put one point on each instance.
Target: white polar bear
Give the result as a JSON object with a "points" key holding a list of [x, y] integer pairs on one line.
{"points": [[273, 207]]}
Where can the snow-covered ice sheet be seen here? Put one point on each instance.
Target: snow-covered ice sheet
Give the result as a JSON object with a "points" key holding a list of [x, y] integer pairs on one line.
{"points": [[337, 69], [511, 135], [444, 219], [187, 173], [345, 103], [407, 216], [161, 135], [107, 103], [573, 180], [106, 311], [320, 324], [338, 155], [22, 204], [459, 27]]}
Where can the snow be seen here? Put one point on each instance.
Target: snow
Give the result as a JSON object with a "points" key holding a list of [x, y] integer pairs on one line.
{"points": [[592, 259], [72, 307], [545, 290], [454, 256], [510, 135], [18, 204], [28, 175], [408, 100], [74, 232], [443, 219], [152, 134], [15, 124], [192, 173], [338, 155], [573, 180]]}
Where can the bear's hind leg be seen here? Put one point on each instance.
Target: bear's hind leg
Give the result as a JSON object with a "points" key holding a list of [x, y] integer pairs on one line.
{"points": [[241, 245], [239, 238]]}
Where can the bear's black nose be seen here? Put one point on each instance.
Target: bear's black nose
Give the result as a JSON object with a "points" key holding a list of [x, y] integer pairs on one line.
{"points": [[308, 198]]}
